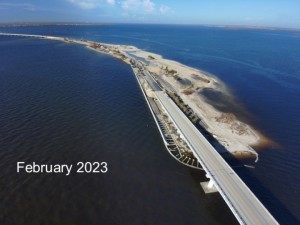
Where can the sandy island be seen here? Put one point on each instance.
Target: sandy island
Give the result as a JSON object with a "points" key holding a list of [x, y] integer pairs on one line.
{"points": [[191, 85], [236, 136]]}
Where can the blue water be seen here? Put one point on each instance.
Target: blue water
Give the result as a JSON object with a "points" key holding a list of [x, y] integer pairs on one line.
{"points": [[261, 67]]}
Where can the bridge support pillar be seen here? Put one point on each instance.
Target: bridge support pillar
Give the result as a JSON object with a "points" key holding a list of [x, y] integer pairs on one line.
{"points": [[210, 184], [208, 187]]}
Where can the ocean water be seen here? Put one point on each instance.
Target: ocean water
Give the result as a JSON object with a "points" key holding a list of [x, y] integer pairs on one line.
{"points": [[64, 103]]}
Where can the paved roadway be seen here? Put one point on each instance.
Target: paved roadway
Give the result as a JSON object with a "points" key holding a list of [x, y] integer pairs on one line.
{"points": [[151, 81], [242, 202]]}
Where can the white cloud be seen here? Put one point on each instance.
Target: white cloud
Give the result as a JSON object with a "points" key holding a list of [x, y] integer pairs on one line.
{"points": [[91, 4], [149, 6], [164, 9], [136, 5], [85, 4], [111, 2], [26, 6]]}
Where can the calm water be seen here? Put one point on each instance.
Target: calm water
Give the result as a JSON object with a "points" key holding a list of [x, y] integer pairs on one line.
{"points": [[63, 103]]}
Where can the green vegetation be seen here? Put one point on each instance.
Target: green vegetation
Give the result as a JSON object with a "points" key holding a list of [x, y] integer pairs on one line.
{"points": [[150, 57], [168, 71], [188, 91], [172, 72], [95, 45], [185, 108], [206, 80]]}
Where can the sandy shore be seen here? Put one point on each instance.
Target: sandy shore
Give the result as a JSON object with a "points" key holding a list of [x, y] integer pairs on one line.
{"points": [[206, 95], [234, 135]]}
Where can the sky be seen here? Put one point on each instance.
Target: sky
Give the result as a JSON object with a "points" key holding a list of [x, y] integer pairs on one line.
{"points": [[270, 13]]}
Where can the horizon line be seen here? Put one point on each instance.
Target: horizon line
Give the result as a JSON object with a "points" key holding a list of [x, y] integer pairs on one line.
{"points": [[61, 23]]}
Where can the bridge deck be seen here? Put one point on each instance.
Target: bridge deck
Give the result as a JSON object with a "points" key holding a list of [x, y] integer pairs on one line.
{"points": [[243, 203]]}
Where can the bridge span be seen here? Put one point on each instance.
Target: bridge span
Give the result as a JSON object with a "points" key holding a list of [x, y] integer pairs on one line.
{"points": [[242, 202]]}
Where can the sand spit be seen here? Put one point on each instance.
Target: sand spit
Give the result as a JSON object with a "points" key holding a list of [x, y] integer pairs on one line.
{"points": [[206, 95]]}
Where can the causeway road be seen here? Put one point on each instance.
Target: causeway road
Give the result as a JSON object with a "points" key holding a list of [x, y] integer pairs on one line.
{"points": [[240, 199]]}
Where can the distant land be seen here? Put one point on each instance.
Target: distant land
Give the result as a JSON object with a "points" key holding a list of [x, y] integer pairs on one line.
{"points": [[240, 27], [232, 27], [27, 24]]}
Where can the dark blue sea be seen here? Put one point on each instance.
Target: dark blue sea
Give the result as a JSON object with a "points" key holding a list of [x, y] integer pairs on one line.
{"points": [[63, 103]]}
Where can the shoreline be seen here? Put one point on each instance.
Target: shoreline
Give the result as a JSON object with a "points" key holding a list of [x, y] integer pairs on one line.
{"points": [[188, 85], [174, 149]]}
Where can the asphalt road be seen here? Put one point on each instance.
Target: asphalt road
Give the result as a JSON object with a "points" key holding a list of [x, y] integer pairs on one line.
{"points": [[242, 202], [151, 81]]}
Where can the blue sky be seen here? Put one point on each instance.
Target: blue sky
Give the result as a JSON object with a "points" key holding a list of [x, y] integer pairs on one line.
{"points": [[276, 13]]}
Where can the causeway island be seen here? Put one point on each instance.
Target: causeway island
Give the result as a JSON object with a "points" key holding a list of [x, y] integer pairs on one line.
{"points": [[187, 87]]}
